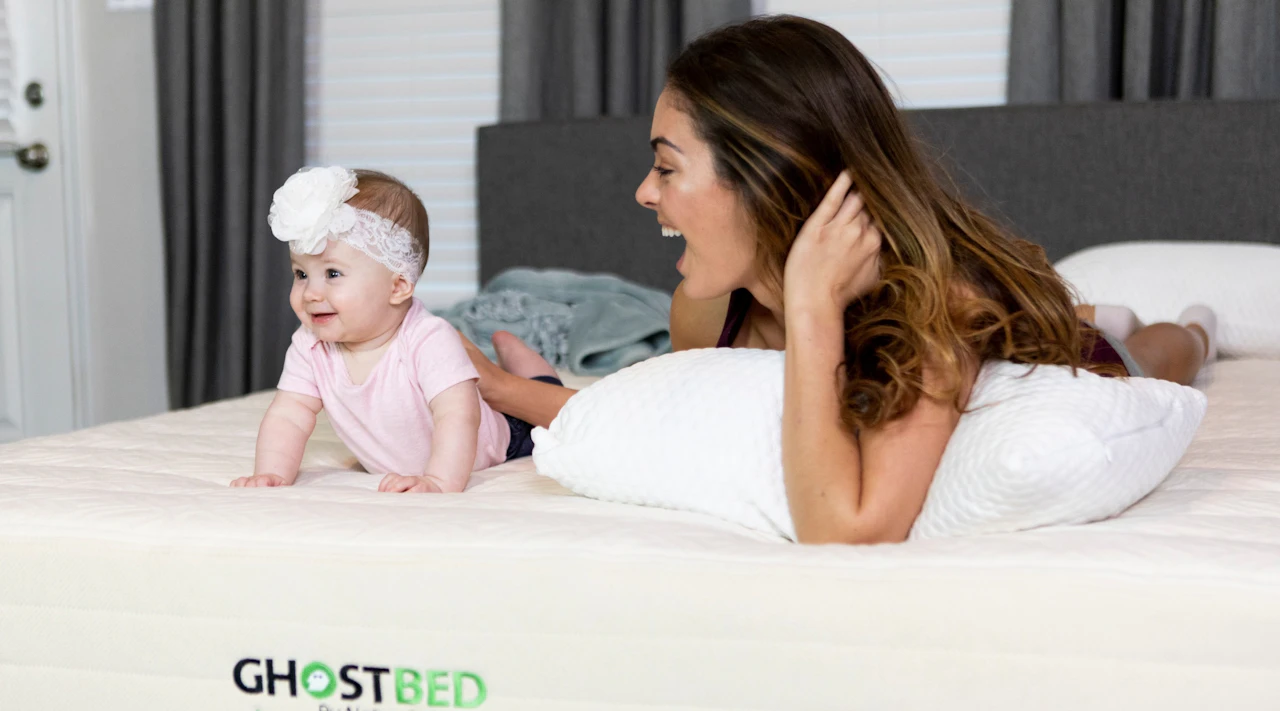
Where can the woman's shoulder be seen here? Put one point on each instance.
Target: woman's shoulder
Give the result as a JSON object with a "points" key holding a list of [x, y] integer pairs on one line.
{"points": [[697, 323]]}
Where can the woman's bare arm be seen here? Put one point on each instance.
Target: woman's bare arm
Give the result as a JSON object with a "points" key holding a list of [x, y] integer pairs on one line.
{"points": [[533, 401], [844, 488]]}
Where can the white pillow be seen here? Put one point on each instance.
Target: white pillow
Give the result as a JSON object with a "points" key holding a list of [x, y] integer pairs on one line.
{"points": [[694, 431], [1158, 280], [1039, 447], [701, 431]]}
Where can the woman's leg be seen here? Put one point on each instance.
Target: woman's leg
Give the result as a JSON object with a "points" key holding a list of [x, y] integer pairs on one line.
{"points": [[1169, 351], [1119, 322]]}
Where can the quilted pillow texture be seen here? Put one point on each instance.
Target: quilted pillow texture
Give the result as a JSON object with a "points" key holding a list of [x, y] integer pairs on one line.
{"points": [[1039, 447], [701, 431], [1238, 280]]}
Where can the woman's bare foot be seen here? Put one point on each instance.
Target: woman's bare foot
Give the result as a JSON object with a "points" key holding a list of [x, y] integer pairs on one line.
{"points": [[519, 359]]}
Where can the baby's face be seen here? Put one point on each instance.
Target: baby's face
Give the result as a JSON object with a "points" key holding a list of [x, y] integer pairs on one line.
{"points": [[342, 295]]}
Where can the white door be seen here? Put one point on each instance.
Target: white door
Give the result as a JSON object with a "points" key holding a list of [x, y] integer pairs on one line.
{"points": [[36, 363]]}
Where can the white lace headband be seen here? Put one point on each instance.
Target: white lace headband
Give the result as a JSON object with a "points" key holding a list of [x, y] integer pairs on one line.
{"points": [[311, 208]]}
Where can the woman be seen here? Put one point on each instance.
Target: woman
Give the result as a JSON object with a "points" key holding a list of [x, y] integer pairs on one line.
{"points": [[812, 225]]}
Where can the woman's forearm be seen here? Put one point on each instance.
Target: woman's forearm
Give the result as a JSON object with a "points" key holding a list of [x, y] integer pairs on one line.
{"points": [[820, 456], [533, 401]]}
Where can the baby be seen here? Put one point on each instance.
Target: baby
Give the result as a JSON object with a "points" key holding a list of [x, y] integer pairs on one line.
{"points": [[398, 385]]}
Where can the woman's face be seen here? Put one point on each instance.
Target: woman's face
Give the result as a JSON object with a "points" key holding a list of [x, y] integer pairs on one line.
{"points": [[694, 204]]}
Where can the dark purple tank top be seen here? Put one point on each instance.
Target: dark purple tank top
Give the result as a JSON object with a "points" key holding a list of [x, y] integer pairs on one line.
{"points": [[1102, 352], [739, 304]]}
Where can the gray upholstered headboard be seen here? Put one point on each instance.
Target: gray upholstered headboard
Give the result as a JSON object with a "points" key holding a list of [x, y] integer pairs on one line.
{"points": [[561, 194]]}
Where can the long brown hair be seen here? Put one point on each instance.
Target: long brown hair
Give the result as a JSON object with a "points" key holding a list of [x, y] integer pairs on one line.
{"points": [[786, 103]]}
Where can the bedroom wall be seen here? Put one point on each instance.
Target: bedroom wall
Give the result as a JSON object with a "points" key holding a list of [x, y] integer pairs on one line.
{"points": [[120, 219]]}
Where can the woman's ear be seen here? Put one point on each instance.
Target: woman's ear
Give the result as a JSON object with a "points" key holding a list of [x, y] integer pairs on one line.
{"points": [[401, 290]]}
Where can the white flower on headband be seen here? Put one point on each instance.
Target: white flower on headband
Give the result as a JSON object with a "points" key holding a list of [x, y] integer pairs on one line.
{"points": [[311, 207]]}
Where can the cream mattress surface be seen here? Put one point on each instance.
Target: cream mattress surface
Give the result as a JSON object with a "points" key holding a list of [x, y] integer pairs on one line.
{"points": [[132, 577]]}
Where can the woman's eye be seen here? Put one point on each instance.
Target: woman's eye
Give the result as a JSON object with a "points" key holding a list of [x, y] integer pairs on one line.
{"points": [[332, 274], [299, 275], [661, 171]]}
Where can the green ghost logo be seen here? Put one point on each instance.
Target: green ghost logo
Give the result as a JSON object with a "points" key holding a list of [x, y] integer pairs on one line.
{"points": [[319, 680]]}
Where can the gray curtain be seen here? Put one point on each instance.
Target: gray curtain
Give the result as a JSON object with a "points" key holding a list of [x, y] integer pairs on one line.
{"points": [[584, 58], [1137, 50], [230, 83]]}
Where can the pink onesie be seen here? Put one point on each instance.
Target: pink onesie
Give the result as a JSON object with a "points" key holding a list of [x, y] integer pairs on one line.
{"points": [[385, 421]]}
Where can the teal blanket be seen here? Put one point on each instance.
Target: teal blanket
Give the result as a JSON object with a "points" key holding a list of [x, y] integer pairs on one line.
{"points": [[591, 324]]}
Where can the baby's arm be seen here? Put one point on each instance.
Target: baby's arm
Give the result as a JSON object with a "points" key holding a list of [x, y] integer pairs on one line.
{"points": [[456, 412], [282, 438]]}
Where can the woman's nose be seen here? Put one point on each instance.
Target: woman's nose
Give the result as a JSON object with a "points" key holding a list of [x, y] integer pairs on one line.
{"points": [[647, 193]]}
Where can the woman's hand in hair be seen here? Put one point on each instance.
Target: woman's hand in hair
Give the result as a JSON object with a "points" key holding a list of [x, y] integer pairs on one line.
{"points": [[836, 256]]}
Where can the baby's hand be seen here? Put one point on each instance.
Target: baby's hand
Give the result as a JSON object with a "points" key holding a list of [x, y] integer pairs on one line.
{"points": [[397, 484], [259, 480]]}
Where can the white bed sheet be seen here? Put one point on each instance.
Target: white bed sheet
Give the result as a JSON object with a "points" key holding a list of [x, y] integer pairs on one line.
{"points": [[131, 577]]}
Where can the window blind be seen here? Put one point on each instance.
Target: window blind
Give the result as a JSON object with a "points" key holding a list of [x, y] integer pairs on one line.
{"points": [[933, 53], [400, 86]]}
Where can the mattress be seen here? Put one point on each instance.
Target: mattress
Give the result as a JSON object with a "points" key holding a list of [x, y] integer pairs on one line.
{"points": [[132, 577]]}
